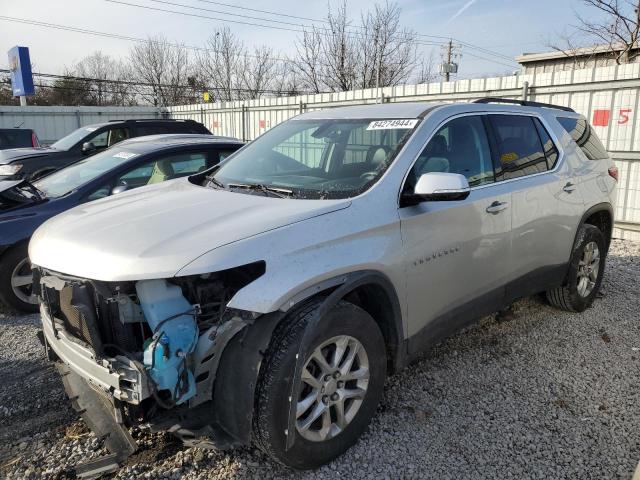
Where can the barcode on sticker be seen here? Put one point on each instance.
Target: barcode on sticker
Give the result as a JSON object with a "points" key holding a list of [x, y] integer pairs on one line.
{"points": [[391, 124]]}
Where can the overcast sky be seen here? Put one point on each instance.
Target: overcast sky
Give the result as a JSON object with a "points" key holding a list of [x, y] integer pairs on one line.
{"points": [[508, 27]]}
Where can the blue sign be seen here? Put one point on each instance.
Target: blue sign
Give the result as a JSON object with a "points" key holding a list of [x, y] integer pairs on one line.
{"points": [[21, 76]]}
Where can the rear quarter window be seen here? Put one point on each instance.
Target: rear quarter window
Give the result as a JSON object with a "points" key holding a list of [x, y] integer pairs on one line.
{"points": [[585, 137], [15, 138]]}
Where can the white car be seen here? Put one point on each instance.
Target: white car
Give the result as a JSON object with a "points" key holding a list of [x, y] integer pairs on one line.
{"points": [[267, 299]]}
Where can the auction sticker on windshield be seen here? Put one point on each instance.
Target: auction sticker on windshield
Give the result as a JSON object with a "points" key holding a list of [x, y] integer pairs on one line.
{"points": [[392, 124], [125, 155]]}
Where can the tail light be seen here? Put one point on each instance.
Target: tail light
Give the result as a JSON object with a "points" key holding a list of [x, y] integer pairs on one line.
{"points": [[613, 173], [34, 140]]}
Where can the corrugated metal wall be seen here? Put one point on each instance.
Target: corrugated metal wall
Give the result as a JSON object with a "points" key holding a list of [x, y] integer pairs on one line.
{"points": [[53, 123], [608, 96]]}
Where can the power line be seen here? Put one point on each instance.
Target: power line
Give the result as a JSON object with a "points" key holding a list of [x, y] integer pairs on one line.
{"points": [[120, 36], [423, 35], [195, 15]]}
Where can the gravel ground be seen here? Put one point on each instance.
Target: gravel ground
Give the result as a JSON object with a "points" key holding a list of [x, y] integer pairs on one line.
{"points": [[547, 394]]}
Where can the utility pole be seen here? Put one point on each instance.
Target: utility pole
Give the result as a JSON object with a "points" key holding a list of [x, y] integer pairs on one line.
{"points": [[448, 65], [449, 53]]}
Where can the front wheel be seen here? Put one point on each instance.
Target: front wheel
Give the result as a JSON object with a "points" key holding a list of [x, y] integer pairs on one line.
{"points": [[16, 281], [586, 270], [342, 379]]}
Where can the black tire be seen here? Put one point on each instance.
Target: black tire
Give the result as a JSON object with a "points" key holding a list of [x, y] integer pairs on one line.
{"points": [[8, 262], [567, 297], [276, 375]]}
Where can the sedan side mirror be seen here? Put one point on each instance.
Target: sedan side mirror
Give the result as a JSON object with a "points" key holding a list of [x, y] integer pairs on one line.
{"points": [[88, 147], [437, 187], [119, 189]]}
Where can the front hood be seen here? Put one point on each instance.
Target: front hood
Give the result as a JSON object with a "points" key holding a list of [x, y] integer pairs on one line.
{"points": [[154, 231], [13, 154]]}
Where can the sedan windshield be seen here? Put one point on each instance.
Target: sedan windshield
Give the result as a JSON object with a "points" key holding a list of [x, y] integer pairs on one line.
{"points": [[316, 158], [65, 143], [68, 179]]}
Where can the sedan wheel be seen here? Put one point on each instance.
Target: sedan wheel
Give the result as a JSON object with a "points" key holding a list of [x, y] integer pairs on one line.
{"points": [[22, 282]]}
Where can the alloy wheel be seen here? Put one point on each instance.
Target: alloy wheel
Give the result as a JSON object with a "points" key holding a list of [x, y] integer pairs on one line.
{"points": [[22, 282], [334, 379], [588, 269]]}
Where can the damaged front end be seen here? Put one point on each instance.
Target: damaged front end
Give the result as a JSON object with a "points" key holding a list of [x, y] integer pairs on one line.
{"points": [[149, 353]]}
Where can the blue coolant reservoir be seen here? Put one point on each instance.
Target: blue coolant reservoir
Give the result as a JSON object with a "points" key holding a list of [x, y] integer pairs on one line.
{"points": [[175, 334]]}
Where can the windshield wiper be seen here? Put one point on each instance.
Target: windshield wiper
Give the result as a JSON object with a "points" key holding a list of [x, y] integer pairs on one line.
{"points": [[211, 179], [34, 190], [278, 192]]}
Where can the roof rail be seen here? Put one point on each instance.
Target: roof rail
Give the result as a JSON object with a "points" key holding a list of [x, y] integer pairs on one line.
{"points": [[524, 103], [133, 120]]}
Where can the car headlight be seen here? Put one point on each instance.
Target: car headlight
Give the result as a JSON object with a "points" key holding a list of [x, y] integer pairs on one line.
{"points": [[10, 169]]}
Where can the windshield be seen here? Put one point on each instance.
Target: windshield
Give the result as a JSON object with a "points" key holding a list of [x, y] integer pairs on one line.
{"points": [[317, 158], [68, 179], [65, 143]]}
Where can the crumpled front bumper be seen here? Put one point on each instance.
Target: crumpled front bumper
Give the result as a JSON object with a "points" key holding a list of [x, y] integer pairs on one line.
{"points": [[117, 376]]}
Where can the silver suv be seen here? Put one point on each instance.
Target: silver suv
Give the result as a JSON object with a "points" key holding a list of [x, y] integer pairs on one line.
{"points": [[266, 300]]}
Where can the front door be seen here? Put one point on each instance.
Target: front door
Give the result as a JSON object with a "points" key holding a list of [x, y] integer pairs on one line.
{"points": [[455, 252]]}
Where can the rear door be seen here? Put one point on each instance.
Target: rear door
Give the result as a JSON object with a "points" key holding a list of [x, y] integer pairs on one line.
{"points": [[545, 202], [455, 252]]}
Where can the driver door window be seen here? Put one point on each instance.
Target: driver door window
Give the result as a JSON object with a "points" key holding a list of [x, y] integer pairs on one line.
{"points": [[460, 146]]}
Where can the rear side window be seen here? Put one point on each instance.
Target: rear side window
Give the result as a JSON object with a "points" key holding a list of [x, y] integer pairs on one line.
{"points": [[585, 137], [550, 149], [151, 130], [519, 148], [16, 138]]}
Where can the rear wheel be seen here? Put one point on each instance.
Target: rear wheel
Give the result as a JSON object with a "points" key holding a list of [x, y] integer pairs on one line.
{"points": [[16, 280], [342, 379], [586, 270]]}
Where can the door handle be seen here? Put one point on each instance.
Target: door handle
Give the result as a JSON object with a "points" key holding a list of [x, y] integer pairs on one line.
{"points": [[496, 207], [569, 187]]}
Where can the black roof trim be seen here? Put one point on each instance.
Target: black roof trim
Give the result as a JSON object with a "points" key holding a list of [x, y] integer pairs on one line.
{"points": [[524, 103], [134, 120]]}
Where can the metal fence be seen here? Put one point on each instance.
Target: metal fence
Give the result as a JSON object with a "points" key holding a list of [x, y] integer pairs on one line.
{"points": [[53, 123], [608, 96]]}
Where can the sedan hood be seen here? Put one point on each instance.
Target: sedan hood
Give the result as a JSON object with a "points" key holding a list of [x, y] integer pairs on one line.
{"points": [[154, 231], [13, 154]]}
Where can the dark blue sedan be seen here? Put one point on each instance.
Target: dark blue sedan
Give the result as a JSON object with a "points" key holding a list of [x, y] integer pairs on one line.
{"points": [[131, 164]]}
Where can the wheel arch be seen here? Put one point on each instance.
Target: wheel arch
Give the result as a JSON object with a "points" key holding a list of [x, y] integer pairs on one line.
{"points": [[600, 216], [239, 367]]}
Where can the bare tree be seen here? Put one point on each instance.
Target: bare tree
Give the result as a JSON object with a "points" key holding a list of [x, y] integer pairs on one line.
{"points": [[109, 80], [378, 52], [388, 50], [340, 55], [218, 65], [618, 29], [162, 69], [257, 72], [426, 70], [308, 62]]}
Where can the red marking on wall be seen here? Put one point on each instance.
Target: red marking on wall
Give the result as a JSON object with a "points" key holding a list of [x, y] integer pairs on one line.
{"points": [[215, 124], [601, 118], [263, 124], [624, 116]]}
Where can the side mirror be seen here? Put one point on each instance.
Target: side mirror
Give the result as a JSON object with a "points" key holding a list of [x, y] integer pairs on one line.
{"points": [[119, 189], [438, 187], [88, 147]]}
